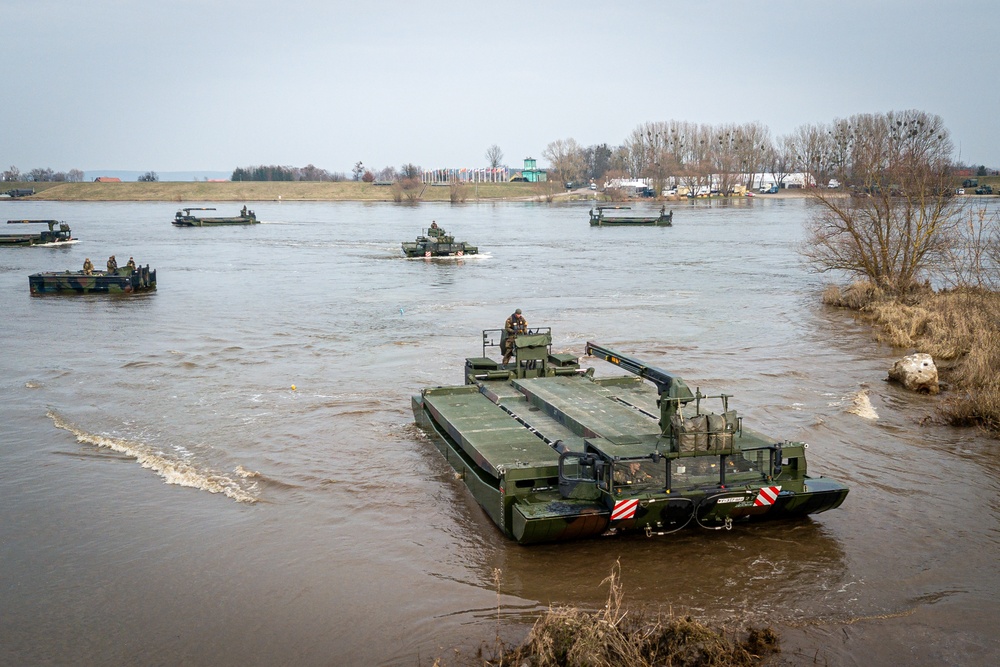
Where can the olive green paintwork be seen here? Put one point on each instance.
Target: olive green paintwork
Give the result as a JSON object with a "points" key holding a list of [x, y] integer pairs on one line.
{"points": [[184, 218], [553, 453], [664, 219], [122, 281], [51, 237], [435, 242]]}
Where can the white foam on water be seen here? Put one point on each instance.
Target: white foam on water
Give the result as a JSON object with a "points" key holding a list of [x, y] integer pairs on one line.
{"points": [[172, 470], [862, 406]]}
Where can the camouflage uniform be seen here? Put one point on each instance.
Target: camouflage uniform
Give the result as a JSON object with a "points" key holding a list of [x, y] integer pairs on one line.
{"points": [[88, 267], [112, 264], [515, 324], [131, 265]]}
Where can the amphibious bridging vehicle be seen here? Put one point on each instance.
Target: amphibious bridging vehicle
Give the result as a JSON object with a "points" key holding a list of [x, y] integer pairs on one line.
{"points": [[435, 242], [554, 453], [664, 219], [184, 218], [52, 237], [121, 281]]}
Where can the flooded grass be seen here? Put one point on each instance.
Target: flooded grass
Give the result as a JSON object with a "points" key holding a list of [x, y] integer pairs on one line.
{"points": [[959, 328], [621, 636]]}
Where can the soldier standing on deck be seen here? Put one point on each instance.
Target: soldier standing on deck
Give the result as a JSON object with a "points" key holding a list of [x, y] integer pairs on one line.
{"points": [[131, 265], [515, 324], [112, 264]]}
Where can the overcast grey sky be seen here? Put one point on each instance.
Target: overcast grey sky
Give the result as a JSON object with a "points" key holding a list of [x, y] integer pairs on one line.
{"points": [[212, 84]]}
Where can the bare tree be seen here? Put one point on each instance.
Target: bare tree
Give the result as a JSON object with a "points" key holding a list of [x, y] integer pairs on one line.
{"points": [[410, 170], [12, 174], [149, 177], [902, 212], [74, 176], [753, 147], [494, 156], [598, 161], [566, 158], [358, 171], [782, 159]]}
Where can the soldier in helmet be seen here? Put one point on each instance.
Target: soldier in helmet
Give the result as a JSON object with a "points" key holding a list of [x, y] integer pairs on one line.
{"points": [[88, 267], [131, 265], [515, 324], [112, 264]]}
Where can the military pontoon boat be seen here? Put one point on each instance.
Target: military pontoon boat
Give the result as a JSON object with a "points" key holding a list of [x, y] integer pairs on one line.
{"points": [[553, 453], [123, 280], [664, 219], [435, 242], [53, 237], [185, 218]]}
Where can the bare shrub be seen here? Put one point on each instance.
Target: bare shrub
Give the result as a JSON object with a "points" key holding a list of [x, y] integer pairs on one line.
{"points": [[973, 256], [897, 222], [859, 295], [458, 192], [409, 190], [617, 636]]}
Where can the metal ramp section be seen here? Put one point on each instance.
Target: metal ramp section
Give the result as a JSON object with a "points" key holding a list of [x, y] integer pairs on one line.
{"points": [[589, 409], [492, 437]]}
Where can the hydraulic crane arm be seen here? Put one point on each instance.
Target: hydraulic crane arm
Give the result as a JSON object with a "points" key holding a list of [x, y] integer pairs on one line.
{"points": [[667, 385]]}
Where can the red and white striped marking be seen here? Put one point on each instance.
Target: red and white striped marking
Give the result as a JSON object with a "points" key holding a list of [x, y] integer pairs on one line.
{"points": [[624, 509], [767, 496]]}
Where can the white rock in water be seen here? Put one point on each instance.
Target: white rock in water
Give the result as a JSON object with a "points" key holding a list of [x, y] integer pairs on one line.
{"points": [[916, 372]]}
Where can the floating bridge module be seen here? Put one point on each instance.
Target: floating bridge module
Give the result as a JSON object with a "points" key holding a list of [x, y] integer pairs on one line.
{"points": [[553, 453]]}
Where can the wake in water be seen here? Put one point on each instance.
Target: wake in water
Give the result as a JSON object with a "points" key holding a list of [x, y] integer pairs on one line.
{"points": [[172, 470], [861, 405]]}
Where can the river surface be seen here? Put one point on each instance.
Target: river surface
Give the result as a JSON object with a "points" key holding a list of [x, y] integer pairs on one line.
{"points": [[226, 471]]}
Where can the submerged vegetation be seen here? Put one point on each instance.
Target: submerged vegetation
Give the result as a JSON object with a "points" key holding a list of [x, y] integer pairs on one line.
{"points": [[616, 636], [959, 327]]}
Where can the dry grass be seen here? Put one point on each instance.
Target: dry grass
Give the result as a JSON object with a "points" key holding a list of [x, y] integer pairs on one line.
{"points": [[615, 636], [960, 328], [247, 191]]}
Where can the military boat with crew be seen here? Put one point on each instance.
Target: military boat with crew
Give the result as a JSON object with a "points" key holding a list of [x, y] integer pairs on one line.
{"points": [[553, 453], [435, 242], [664, 219], [53, 237], [185, 218], [128, 279]]}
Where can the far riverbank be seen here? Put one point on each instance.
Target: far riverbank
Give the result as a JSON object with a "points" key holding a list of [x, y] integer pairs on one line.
{"points": [[257, 191]]}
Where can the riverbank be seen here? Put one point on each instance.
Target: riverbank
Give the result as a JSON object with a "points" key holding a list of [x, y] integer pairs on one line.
{"points": [[959, 328], [257, 191], [254, 191]]}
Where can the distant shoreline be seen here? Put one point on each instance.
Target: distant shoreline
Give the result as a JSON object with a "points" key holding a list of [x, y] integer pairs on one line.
{"points": [[261, 191]]}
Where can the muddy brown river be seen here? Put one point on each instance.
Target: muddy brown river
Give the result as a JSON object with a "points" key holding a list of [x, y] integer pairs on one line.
{"points": [[169, 498]]}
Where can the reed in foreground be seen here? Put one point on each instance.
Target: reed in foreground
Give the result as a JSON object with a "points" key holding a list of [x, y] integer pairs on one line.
{"points": [[617, 636]]}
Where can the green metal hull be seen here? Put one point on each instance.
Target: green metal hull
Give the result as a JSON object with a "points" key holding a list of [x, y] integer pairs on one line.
{"points": [[507, 432], [76, 282], [57, 234], [435, 242], [664, 219], [214, 222]]}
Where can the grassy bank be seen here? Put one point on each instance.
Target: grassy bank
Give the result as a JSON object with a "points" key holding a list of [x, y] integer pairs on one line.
{"points": [[959, 328], [266, 191]]}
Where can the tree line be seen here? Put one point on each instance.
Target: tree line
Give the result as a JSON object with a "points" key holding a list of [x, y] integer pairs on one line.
{"points": [[41, 175], [694, 154]]}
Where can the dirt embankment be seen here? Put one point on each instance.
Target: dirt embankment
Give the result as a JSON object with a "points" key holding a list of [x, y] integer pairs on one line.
{"points": [[270, 191]]}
